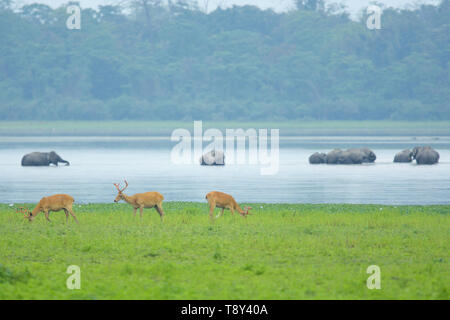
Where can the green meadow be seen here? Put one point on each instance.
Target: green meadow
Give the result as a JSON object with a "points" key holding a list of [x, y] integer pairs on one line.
{"points": [[280, 252]]}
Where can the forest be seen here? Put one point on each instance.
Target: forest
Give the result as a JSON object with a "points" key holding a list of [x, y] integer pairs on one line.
{"points": [[145, 60]]}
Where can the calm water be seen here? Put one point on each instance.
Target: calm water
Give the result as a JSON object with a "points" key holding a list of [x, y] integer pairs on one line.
{"points": [[145, 162]]}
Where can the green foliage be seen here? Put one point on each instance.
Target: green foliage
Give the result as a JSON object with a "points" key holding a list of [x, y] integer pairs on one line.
{"points": [[177, 63], [282, 251]]}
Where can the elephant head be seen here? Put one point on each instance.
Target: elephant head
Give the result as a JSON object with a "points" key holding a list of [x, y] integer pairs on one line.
{"points": [[368, 155], [54, 158], [213, 158], [415, 151], [318, 158]]}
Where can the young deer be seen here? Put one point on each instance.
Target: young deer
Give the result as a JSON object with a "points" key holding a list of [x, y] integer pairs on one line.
{"points": [[53, 203], [224, 201], [141, 200]]}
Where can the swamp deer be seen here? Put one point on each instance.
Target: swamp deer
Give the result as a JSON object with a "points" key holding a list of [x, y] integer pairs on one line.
{"points": [[53, 203], [224, 201], [141, 200]]}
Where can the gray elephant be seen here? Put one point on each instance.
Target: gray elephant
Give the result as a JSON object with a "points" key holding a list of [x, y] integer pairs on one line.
{"points": [[42, 159], [425, 155], [334, 156], [318, 158], [403, 156], [353, 156], [338, 156], [369, 155], [350, 156], [213, 158]]}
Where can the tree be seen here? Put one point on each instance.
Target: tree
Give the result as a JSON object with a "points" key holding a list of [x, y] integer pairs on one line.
{"points": [[5, 4], [310, 5]]}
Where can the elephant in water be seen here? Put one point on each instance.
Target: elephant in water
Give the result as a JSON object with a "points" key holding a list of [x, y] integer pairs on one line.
{"points": [[425, 155], [350, 156], [338, 156], [403, 156], [334, 156], [42, 159], [213, 158], [368, 156], [318, 158]]}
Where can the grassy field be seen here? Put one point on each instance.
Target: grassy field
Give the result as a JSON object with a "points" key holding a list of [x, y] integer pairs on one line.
{"points": [[165, 128], [279, 252]]}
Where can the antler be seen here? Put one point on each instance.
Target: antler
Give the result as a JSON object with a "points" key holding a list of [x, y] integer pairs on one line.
{"points": [[118, 186], [24, 211]]}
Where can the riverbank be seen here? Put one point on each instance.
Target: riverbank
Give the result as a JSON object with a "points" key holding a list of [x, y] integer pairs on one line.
{"points": [[165, 128], [280, 252]]}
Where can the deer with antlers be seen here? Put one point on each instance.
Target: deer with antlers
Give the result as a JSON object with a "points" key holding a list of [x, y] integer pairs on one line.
{"points": [[141, 200], [49, 204], [224, 201]]}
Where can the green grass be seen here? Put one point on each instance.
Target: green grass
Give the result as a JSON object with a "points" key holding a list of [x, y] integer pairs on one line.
{"points": [[280, 252], [165, 128]]}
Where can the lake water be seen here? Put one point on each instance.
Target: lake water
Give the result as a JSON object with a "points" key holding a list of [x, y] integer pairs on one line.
{"points": [[145, 162]]}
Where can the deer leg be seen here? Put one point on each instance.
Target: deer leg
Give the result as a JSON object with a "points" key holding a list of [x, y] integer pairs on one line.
{"points": [[73, 215], [46, 216], [135, 212], [221, 213], [211, 210], [67, 215], [159, 208], [141, 209]]}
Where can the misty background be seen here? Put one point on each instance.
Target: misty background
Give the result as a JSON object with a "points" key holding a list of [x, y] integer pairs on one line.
{"points": [[146, 60]]}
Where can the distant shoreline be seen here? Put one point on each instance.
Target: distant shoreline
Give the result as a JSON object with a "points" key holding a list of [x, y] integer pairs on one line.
{"points": [[165, 128]]}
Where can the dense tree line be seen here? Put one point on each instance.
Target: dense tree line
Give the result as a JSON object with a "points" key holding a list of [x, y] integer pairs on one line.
{"points": [[150, 61]]}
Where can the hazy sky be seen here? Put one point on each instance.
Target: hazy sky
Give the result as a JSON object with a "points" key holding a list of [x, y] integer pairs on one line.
{"points": [[278, 5]]}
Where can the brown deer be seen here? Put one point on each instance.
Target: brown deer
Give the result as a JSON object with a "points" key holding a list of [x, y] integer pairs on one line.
{"points": [[224, 201], [53, 203], [141, 200]]}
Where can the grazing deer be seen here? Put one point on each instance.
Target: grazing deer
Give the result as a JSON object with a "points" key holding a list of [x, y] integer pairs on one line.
{"points": [[53, 203], [224, 201], [141, 200]]}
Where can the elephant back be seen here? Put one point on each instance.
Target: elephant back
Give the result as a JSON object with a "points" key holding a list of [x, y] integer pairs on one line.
{"points": [[35, 159], [427, 156]]}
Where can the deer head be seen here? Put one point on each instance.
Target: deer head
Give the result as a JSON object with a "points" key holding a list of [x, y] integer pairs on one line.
{"points": [[26, 213], [246, 213], [120, 194]]}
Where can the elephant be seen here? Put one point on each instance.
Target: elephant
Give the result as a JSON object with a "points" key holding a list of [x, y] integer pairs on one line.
{"points": [[334, 156], [318, 158], [353, 156], [42, 159], [350, 156], [213, 158], [369, 155], [403, 156], [425, 155]]}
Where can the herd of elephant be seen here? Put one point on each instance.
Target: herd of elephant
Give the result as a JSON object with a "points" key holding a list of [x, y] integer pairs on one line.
{"points": [[422, 155], [39, 159]]}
